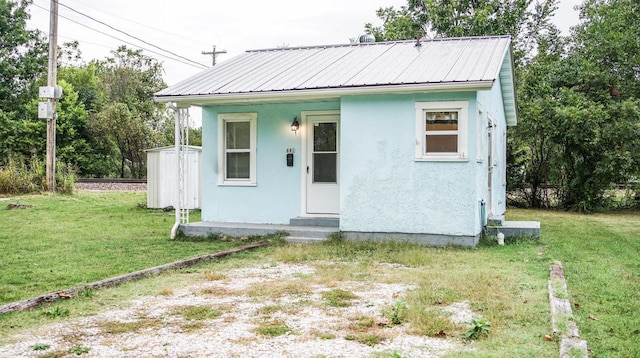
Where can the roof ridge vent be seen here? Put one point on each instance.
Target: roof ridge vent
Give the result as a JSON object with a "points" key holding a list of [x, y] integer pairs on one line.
{"points": [[366, 38]]}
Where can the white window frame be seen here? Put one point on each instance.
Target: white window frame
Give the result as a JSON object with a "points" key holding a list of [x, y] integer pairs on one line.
{"points": [[223, 119], [462, 107], [493, 127]]}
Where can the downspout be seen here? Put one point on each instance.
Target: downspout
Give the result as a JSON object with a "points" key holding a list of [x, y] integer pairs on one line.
{"points": [[176, 225]]}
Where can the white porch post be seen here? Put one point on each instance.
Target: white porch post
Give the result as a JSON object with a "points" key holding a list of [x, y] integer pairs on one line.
{"points": [[181, 206]]}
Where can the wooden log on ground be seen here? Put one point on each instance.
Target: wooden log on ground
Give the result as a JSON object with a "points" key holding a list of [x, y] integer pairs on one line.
{"points": [[66, 294]]}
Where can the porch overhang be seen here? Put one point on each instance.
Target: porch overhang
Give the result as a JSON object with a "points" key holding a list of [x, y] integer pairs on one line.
{"points": [[322, 94]]}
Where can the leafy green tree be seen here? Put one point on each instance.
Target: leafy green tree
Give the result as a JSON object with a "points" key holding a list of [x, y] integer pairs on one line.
{"points": [[579, 130], [599, 115], [397, 25], [22, 55], [131, 120], [129, 134], [522, 19], [23, 60]]}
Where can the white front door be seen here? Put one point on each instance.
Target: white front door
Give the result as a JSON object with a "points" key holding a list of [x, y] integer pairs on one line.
{"points": [[322, 163]]}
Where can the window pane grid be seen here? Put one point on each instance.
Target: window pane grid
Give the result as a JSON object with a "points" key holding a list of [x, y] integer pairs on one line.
{"points": [[237, 150], [441, 132]]}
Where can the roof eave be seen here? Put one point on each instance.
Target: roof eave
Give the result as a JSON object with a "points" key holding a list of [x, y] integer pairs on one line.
{"points": [[321, 93]]}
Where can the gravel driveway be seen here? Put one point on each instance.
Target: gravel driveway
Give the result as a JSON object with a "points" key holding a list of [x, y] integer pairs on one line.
{"points": [[159, 326]]}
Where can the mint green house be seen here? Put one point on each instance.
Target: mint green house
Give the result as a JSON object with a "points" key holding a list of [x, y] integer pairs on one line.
{"points": [[399, 140]]}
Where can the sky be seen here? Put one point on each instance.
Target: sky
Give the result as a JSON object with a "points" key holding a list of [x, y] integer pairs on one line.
{"points": [[188, 27]]}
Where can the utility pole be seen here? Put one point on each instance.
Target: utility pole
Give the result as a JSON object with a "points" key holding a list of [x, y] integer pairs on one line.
{"points": [[214, 54], [51, 83]]}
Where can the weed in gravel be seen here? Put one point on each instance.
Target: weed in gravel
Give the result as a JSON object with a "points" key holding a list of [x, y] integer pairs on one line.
{"points": [[214, 276], [322, 334], [191, 327], [370, 339], [41, 347], [54, 354], [478, 327], [218, 291], [79, 350], [387, 354], [197, 312], [273, 328], [270, 310], [166, 292], [363, 324], [118, 327], [396, 313], [338, 297], [429, 321]]}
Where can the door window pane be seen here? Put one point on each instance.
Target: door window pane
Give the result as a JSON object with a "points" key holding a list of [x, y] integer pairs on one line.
{"points": [[324, 137], [238, 165], [325, 168]]}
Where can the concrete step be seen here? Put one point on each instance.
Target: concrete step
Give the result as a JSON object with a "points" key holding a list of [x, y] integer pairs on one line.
{"points": [[206, 228], [516, 229], [318, 222], [495, 220]]}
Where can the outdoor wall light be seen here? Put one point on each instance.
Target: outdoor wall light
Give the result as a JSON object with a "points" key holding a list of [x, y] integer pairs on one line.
{"points": [[295, 125]]}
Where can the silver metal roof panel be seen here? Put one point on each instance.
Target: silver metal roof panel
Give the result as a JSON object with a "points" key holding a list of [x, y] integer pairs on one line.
{"points": [[356, 67]]}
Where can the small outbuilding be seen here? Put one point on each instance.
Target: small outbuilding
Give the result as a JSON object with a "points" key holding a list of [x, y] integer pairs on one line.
{"points": [[401, 140], [162, 177]]}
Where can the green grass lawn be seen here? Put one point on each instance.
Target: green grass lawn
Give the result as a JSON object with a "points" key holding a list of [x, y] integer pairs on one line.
{"points": [[64, 241], [601, 258]]}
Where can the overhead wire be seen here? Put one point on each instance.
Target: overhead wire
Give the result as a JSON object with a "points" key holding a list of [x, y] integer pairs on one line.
{"points": [[155, 29], [179, 59], [129, 35]]}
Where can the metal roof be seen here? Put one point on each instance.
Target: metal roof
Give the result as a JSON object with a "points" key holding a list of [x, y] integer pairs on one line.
{"points": [[470, 63]]}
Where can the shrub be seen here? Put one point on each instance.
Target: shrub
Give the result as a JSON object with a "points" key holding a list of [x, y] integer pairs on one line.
{"points": [[19, 177]]}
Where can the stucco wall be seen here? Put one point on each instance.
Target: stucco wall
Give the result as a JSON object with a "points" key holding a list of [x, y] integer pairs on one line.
{"points": [[383, 189], [277, 196], [492, 104]]}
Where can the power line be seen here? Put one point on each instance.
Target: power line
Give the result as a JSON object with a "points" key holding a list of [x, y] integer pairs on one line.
{"points": [[127, 34], [155, 29], [199, 65]]}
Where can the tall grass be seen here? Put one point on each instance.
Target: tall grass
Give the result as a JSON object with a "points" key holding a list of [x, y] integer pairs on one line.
{"points": [[18, 176]]}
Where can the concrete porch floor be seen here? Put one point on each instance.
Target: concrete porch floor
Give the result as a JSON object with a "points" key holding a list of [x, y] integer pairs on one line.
{"points": [[296, 233]]}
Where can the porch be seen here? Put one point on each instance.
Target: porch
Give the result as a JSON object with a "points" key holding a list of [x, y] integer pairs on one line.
{"points": [[299, 230], [308, 230]]}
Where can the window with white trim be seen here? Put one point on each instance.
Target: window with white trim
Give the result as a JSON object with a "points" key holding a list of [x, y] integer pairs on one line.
{"points": [[441, 130], [237, 148]]}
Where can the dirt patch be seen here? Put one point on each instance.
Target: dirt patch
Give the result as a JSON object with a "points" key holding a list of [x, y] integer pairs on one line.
{"points": [[18, 206], [269, 311]]}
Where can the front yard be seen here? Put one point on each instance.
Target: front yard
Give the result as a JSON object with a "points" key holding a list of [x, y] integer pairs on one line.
{"points": [[57, 242]]}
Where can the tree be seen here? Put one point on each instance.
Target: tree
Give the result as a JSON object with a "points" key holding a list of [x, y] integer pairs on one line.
{"points": [[131, 120], [521, 19], [603, 67], [22, 63], [580, 112]]}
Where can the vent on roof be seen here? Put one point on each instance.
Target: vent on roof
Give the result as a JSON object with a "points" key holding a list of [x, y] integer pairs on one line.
{"points": [[366, 38]]}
